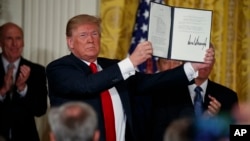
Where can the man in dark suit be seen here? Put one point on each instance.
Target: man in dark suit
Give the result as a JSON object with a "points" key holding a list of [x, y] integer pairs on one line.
{"points": [[70, 77], [23, 88], [218, 102]]}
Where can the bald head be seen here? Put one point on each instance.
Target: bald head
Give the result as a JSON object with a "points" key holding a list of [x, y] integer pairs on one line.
{"points": [[9, 25]]}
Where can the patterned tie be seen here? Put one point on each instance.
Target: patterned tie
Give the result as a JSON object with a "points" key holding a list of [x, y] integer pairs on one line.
{"points": [[9, 96], [108, 112], [11, 67], [198, 102]]}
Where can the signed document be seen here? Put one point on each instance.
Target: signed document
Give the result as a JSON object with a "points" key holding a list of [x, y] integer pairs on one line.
{"points": [[179, 33]]}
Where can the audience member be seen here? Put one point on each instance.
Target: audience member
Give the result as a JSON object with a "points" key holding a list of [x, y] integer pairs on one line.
{"points": [[70, 77], [181, 129], [241, 113], [212, 129], [166, 64], [218, 102], [73, 121], [190, 129], [23, 88]]}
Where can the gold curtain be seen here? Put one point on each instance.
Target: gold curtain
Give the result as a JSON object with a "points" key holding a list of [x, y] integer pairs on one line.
{"points": [[118, 18], [230, 35]]}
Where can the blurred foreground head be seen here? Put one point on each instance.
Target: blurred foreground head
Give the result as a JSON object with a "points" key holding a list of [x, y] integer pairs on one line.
{"points": [[204, 129], [73, 121]]}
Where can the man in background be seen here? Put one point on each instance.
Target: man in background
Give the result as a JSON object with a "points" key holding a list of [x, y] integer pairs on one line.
{"points": [[23, 88], [73, 121], [177, 101], [166, 64]]}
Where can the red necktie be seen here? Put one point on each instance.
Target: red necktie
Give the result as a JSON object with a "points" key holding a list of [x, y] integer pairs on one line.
{"points": [[108, 112]]}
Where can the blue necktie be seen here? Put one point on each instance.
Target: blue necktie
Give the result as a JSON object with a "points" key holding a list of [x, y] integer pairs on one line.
{"points": [[198, 102]]}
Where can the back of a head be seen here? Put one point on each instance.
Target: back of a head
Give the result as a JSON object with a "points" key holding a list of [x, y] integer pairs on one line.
{"points": [[188, 129], [180, 130], [73, 121]]}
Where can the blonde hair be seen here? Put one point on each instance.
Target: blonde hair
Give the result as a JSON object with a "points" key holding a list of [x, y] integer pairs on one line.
{"points": [[75, 21]]}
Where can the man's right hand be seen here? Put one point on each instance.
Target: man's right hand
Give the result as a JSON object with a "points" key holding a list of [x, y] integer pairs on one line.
{"points": [[142, 52]]}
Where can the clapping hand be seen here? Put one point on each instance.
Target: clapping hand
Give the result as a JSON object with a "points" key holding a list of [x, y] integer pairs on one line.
{"points": [[213, 107], [22, 77]]}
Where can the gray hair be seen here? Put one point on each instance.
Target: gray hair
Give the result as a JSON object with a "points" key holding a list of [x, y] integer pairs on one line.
{"points": [[73, 121]]}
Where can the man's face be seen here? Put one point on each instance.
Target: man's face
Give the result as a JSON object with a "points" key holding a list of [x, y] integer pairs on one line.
{"points": [[165, 64], [12, 43], [204, 73], [85, 42]]}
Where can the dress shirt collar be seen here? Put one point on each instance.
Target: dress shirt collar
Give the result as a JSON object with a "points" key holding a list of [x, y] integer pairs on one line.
{"points": [[6, 63], [88, 63], [193, 86]]}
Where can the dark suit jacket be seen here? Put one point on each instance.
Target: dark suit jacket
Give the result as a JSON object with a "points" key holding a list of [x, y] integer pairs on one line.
{"points": [[176, 103], [18, 114], [71, 79]]}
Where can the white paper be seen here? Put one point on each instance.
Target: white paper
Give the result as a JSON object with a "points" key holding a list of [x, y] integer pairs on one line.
{"points": [[159, 29], [191, 35], [191, 32]]}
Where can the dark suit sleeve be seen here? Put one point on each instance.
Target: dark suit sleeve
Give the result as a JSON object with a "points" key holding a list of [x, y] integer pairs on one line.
{"points": [[18, 112], [36, 97], [71, 79], [143, 83], [227, 97]]}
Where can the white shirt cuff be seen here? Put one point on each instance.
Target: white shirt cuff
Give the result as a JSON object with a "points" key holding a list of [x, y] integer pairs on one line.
{"points": [[24, 91], [127, 68], [2, 97], [190, 73]]}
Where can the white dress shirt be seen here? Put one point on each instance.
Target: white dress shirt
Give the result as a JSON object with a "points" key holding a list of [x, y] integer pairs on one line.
{"points": [[127, 70], [192, 92]]}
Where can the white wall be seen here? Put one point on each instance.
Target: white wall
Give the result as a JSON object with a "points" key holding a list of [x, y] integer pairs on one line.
{"points": [[11, 10], [44, 24]]}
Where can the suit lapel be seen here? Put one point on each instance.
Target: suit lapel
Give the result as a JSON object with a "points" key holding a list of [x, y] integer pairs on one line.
{"points": [[208, 92], [2, 73]]}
